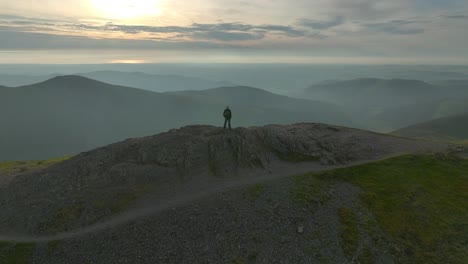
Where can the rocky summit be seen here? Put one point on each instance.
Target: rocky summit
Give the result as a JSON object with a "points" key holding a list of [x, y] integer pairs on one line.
{"points": [[186, 187]]}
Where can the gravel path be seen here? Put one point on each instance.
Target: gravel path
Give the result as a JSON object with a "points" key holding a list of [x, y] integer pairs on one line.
{"points": [[236, 226]]}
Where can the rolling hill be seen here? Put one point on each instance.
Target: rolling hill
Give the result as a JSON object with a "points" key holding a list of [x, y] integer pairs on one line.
{"points": [[66, 115], [447, 128]]}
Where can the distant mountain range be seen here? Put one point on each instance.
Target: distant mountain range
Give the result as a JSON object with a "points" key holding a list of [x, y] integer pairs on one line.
{"points": [[386, 105], [379, 92], [69, 114], [447, 128], [151, 82]]}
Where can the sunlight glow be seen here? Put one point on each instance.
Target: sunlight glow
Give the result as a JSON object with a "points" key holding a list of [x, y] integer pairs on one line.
{"points": [[127, 61], [124, 9]]}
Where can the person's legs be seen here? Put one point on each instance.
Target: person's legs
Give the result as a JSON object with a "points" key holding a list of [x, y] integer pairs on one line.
{"points": [[225, 122], [229, 123]]}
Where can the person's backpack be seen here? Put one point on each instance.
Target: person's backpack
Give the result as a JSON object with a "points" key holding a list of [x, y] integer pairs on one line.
{"points": [[227, 113]]}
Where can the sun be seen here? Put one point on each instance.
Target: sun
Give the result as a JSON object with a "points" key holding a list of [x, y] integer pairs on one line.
{"points": [[124, 9]]}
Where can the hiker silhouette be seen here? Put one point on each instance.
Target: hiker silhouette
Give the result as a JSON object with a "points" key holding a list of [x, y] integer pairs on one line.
{"points": [[227, 117]]}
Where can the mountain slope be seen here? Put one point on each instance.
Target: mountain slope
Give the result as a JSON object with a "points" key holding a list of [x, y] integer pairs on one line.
{"points": [[448, 128], [181, 197], [69, 114]]}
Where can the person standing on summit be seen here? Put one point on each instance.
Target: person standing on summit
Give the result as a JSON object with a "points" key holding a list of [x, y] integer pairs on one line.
{"points": [[227, 117]]}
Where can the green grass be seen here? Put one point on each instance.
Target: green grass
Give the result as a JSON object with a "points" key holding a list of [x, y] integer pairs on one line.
{"points": [[20, 254], [310, 189], [30, 165], [239, 261], [52, 246], [62, 217], [3, 244], [366, 257], [349, 231], [212, 160], [420, 202], [123, 201], [256, 190]]}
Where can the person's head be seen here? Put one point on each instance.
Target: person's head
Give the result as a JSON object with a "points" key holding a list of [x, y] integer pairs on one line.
{"points": [[227, 107]]}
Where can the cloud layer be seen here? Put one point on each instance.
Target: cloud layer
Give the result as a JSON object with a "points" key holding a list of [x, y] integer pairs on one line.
{"points": [[316, 27]]}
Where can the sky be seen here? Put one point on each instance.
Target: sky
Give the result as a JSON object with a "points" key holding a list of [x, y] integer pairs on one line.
{"points": [[234, 31]]}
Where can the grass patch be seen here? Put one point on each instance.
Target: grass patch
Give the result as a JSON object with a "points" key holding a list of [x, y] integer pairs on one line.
{"points": [[92, 212], [349, 231], [420, 202], [256, 190], [3, 245], [13, 167], [239, 261], [62, 217], [20, 254], [123, 201], [366, 257], [310, 188], [212, 159], [52, 246]]}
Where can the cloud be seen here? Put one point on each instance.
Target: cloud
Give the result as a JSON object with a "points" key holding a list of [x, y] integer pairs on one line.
{"points": [[455, 16], [321, 24], [220, 31], [228, 36], [12, 40], [224, 32], [397, 27]]}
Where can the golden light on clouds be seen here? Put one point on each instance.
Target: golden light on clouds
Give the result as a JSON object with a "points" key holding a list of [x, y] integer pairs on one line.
{"points": [[127, 61], [126, 9]]}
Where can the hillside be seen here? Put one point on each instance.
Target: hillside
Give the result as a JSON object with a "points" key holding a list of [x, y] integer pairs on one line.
{"points": [[204, 195], [66, 115], [447, 128]]}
